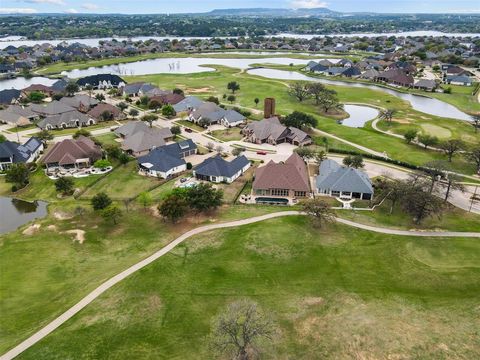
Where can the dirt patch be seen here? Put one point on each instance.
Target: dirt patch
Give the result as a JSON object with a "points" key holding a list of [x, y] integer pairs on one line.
{"points": [[198, 90], [61, 215], [32, 229], [52, 227], [402, 121], [79, 235]]}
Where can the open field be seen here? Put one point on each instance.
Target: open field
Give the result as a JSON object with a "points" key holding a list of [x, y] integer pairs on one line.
{"points": [[254, 86], [332, 293], [232, 134]]}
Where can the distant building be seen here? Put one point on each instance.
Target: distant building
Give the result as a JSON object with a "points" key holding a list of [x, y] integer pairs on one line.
{"points": [[269, 108], [14, 153]]}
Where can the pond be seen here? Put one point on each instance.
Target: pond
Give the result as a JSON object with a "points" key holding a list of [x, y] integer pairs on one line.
{"points": [[178, 66], [22, 82], [359, 115], [16, 213], [423, 104]]}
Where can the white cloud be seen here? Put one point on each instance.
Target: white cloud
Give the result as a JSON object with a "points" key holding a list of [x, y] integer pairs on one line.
{"points": [[308, 4], [71, 11], [17, 11], [90, 6], [52, 2]]}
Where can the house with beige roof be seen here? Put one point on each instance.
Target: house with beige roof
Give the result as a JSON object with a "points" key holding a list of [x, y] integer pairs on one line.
{"points": [[281, 183], [271, 131]]}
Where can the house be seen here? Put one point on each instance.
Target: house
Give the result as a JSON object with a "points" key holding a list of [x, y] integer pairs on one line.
{"points": [[80, 102], [137, 89], [395, 77], [102, 81], [66, 120], [11, 118], [232, 118], [167, 160], [425, 84], [170, 98], [53, 108], [140, 139], [219, 170], [98, 112], [281, 182], [345, 182], [59, 86], [46, 90], [459, 80], [14, 153], [9, 96], [188, 104], [208, 111], [72, 154], [271, 131]]}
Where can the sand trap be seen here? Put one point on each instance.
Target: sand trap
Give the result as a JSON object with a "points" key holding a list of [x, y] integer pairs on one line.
{"points": [[79, 235], [52, 227], [199, 90], [32, 229], [61, 216]]}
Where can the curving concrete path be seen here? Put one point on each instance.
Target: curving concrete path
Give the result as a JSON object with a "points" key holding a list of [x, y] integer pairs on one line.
{"points": [[39, 335]]}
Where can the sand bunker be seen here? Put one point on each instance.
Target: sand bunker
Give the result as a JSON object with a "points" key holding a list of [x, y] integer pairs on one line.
{"points": [[32, 229], [79, 235]]}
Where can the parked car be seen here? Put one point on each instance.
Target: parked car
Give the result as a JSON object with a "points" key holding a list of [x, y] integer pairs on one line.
{"points": [[188, 130], [261, 153]]}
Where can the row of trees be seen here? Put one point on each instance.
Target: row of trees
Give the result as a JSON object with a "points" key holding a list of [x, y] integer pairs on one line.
{"points": [[325, 98]]}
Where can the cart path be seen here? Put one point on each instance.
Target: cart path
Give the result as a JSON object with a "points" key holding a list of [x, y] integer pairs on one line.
{"points": [[39, 335]]}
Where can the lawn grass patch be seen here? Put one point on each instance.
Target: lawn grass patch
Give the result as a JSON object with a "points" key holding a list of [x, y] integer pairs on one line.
{"points": [[230, 134]]}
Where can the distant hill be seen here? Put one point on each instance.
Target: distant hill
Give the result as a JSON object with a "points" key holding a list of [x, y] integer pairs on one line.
{"points": [[273, 12]]}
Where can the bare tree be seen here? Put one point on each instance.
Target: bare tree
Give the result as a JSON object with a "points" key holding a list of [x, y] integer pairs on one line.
{"points": [[476, 122], [420, 203], [474, 156], [451, 147], [219, 149], [319, 211], [435, 171], [210, 146], [239, 332], [452, 182], [299, 90], [387, 115], [315, 89]]}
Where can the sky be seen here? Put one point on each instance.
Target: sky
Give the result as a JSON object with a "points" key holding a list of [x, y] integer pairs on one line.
{"points": [[168, 6]]}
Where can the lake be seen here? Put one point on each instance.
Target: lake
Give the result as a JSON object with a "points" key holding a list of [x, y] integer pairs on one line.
{"points": [[16, 213], [178, 66], [423, 104], [359, 115]]}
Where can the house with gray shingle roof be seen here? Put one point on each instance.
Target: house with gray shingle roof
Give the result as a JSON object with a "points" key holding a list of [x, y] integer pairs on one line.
{"points": [[140, 139], [345, 182], [167, 160], [271, 131], [232, 118], [14, 153], [188, 104], [65, 120], [219, 170]]}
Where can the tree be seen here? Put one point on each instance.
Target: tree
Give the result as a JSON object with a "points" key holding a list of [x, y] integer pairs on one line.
{"points": [[219, 149], [123, 158], [305, 153], [300, 120], [2, 138], [71, 88], [210, 146], [173, 207], [241, 330], [319, 211], [176, 130], [355, 161], [435, 171], [236, 151], [178, 91], [231, 98], [144, 100], [44, 135], [256, 101], [36, 96], [299, 90], [325, 143], [329, 101], [233, 86], [451, 147], [474, 156], [149, 118], [155, 105], [122, 106], [64, 185], [100, 97], [476, 122], [203, 197], [106, 115], [133, 113], [17, 174], [320, 156], [145, 199], [316, 89], [81, 132], [213, 99], [387, 115], [113, 213], [427, 140], [101, 201], [102, 164], [421, 204], [410, 135], [452, 182], [204, 122], [168, 110]]}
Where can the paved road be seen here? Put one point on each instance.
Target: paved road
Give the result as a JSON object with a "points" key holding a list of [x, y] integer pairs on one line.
{"points": [[39, 335]]}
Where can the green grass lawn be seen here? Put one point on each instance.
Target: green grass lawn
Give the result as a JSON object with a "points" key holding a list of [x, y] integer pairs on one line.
{"points": [[123, 182], [333, 294], [71, 131], [232, 134], [254, 86], [107, 139], [190, 125]]}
